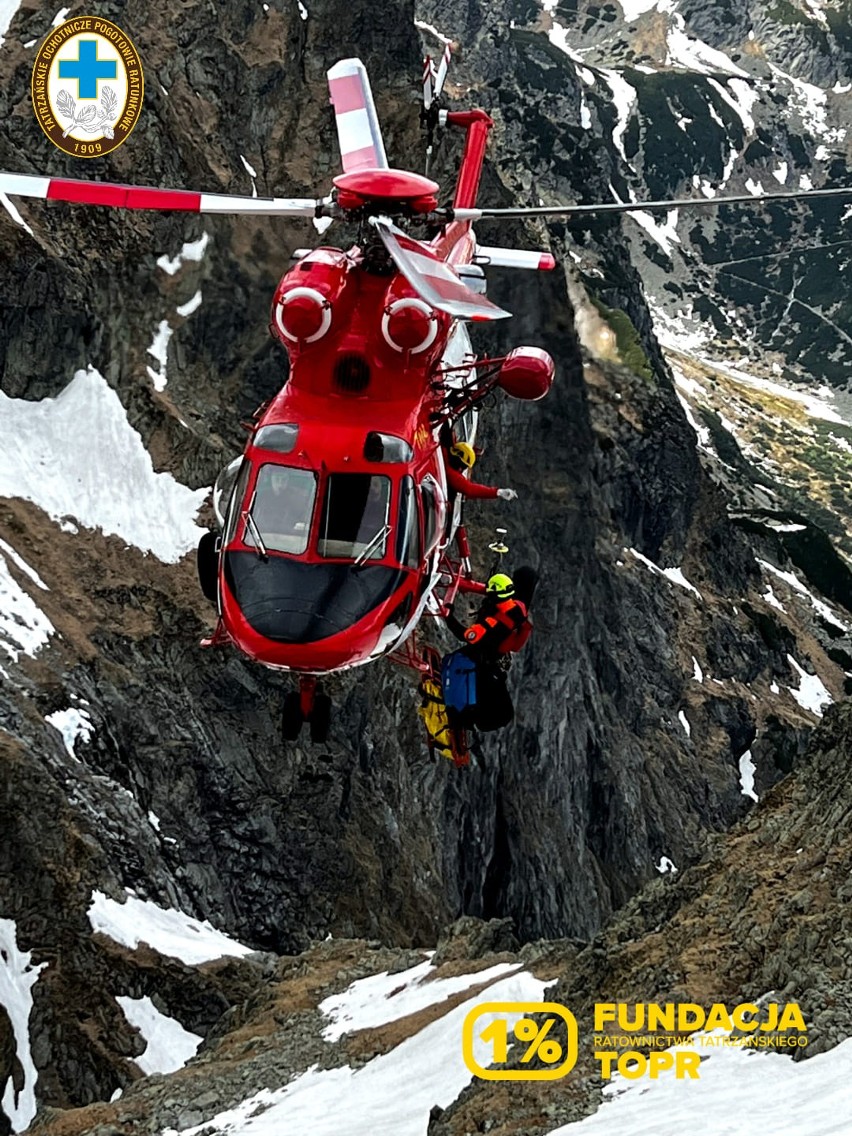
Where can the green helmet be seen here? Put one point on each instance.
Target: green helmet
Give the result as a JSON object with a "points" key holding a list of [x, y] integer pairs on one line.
{"points": [[501, 585]]}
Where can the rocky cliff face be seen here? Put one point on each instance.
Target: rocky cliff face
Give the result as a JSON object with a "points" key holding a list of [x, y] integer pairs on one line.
{"points": [[328, 1038], [671, 677]]}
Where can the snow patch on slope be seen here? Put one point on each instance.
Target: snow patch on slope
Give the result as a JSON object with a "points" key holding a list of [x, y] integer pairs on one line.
{"points": [[10, 208], [773, 601], [665, 235], [391, 1094], [8, 8], [22, 564], [23, 625], [249, 168], [813, 405], [675, 575], [682, 331], [695, 55], [740, 97], [633, 9], [17, 978], [160, 350], [702, 433], [811, 102], [558, 36], [432, 30], [169, 1046], [624, 96], [191, 305], [816, 12], [383, 998], [77, 455], [167, 930], [72, 724], [747, 775], [793, 581], [812, 693], [808, 1098], [191, 251]]}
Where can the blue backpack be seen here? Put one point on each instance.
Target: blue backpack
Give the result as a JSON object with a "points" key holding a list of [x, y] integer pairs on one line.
{"points": [[458, 681]]}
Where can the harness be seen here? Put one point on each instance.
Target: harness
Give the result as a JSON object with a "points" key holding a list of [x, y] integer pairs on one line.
{"points": [[499, 627]]}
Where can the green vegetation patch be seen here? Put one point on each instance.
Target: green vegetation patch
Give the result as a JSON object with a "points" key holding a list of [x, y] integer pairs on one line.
{"points": [[630, 349]]}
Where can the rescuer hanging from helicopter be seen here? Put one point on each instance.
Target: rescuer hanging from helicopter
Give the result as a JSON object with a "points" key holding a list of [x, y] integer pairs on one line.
{"points": [[461, 456], [473, 677], [497, 626]]}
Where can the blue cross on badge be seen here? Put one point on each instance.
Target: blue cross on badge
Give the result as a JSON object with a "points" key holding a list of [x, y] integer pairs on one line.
{"points": [[87, 69]]}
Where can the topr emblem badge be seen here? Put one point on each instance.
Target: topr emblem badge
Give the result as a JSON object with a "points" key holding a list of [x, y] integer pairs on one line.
{"points": [[87, 86]]}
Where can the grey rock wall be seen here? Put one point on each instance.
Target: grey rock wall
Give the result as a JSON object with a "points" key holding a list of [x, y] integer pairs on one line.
{"points": [[596, 779]]}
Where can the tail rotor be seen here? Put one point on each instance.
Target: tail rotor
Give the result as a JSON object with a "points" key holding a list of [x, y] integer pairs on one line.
{"points": [[443, 68], [434, 78]]}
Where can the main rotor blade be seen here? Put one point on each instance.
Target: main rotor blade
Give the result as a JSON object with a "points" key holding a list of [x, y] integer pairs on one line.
{"points": [[432, 279], [141, 197], [640, 206], [358, 130]]}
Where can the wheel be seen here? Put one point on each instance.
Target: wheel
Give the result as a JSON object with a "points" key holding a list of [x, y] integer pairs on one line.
{"points": [[320, 718], [207, 561], [291, 718]]}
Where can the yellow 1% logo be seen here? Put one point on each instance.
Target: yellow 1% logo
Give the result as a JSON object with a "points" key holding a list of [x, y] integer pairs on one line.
{"points": [[517, 1018], [524, 1030]]}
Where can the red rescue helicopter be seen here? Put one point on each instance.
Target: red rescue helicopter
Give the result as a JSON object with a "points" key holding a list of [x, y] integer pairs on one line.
{"points": [[336, 528]]}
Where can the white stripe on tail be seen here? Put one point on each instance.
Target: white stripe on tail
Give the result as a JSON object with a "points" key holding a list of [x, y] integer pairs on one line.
{"points": [[358, 132]]}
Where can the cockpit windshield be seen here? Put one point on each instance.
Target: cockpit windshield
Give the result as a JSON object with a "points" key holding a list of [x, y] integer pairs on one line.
{"points": [[281, 508], [354, 523]]}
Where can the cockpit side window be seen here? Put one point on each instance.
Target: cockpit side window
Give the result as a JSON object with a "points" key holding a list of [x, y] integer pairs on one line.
{"points": [[465, 427], [408, 527], [281, 509], [280, 437], [235, 504], [380, 447], [355, 517], [430, 515]]}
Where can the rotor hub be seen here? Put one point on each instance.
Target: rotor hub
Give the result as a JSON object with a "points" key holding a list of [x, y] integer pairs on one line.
{"points": [[363, 187]]}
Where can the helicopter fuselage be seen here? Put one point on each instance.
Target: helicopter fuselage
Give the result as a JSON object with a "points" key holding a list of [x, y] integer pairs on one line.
{"points": [[338, 517]]}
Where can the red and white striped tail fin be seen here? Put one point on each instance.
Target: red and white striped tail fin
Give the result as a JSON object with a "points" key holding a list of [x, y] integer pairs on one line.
{"points": [[433, 279], [358, 132], [143, 197]]}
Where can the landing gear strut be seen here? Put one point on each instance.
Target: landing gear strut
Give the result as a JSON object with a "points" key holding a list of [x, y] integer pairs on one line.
{"points": [[308, 705]]}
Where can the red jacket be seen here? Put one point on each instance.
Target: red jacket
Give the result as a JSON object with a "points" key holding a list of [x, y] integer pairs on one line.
{"points": [[501, 628], [458, 483]]}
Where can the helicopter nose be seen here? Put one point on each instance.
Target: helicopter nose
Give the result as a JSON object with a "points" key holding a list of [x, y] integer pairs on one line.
{"points": [[290, 620], [299, 602]]}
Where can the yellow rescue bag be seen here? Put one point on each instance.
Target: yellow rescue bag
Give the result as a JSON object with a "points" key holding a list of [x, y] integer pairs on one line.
{"points": [[434, 714]]}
